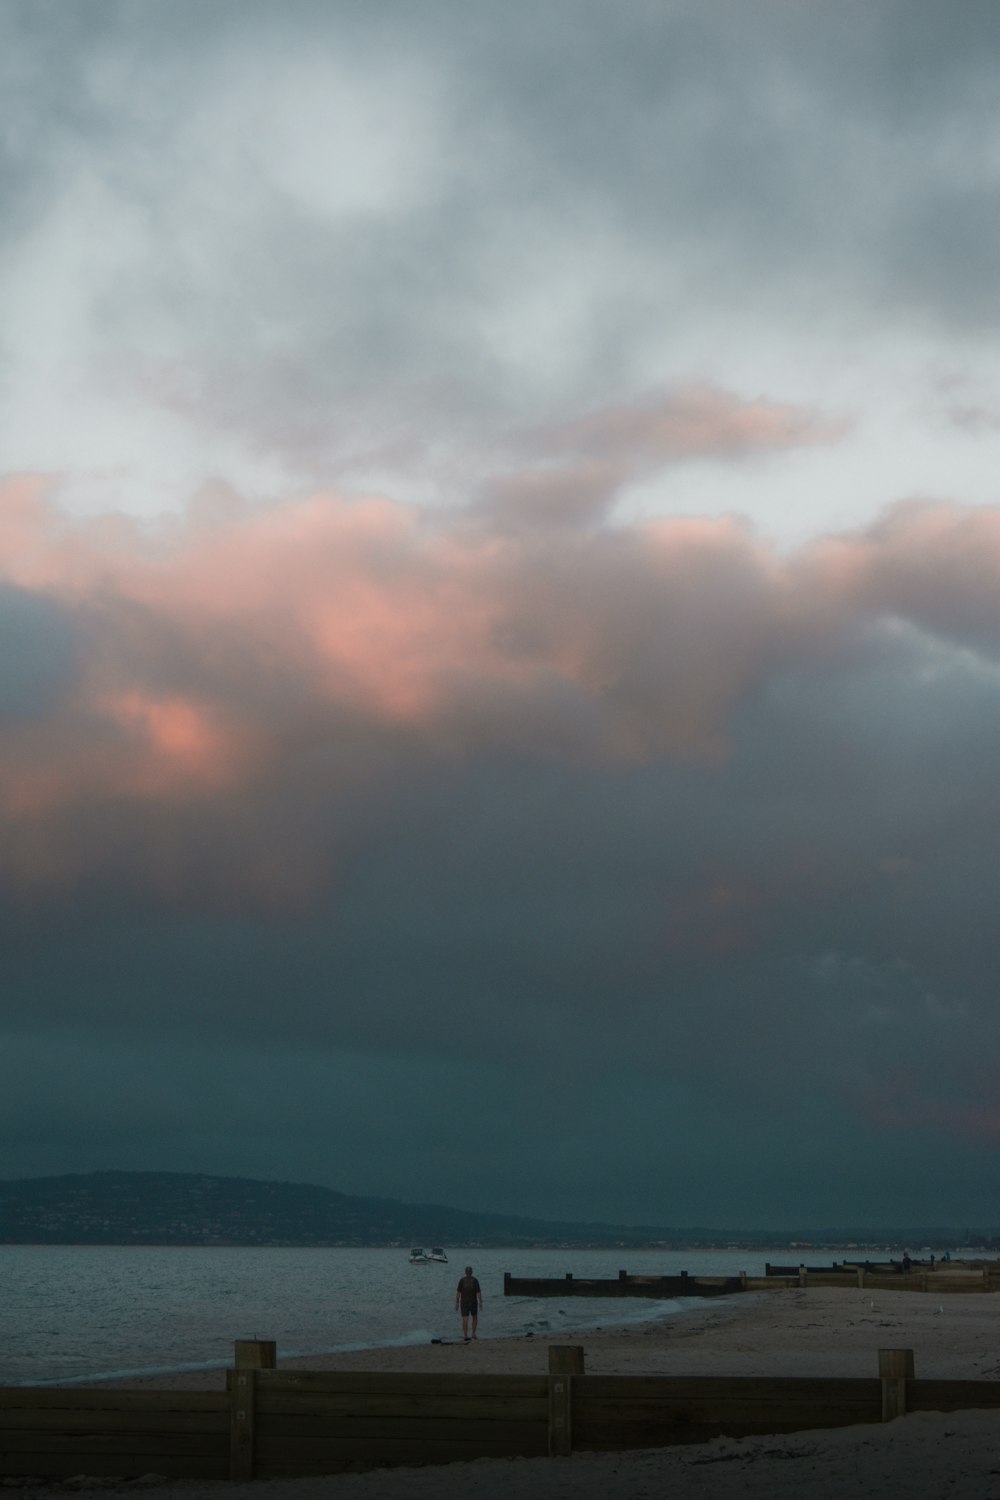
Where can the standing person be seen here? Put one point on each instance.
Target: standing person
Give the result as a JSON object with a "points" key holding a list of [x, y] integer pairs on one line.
{"points": [[468, 1298]]}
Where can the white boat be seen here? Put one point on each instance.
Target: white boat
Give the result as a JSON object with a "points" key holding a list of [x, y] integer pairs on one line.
{"points": [[419, 1257], [438, 1254]]}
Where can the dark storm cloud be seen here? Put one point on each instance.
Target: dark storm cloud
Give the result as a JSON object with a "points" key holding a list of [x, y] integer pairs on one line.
{"points": [[459, 776], [651, 804]]}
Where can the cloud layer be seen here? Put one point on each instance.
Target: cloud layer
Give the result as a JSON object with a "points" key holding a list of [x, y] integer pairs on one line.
{"points": [[499, 594], [379, 782], [361, 245]]}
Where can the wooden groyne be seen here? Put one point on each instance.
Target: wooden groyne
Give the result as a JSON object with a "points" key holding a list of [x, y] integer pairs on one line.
{"points": [[623, 1285], [944, 1278], [939, 1277], [289, 1424]]}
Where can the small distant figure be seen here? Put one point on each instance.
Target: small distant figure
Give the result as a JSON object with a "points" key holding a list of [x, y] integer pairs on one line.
{"points": [[907, 1263], [468, 1299]]}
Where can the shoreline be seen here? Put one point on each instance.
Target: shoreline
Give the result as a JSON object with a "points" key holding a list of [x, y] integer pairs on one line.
{"points": [[794, 1332]]}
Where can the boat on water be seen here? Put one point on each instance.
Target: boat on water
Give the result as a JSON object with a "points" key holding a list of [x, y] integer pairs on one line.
{"points": [[419, 1257], [438, 1254]]}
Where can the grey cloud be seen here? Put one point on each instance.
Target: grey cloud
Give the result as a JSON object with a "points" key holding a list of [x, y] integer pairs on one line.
{"points": [[646, 156], [672, 879], [38, 652], [698, 901], [622, 1148]]}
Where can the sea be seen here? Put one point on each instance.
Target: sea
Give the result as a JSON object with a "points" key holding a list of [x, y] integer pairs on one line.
{"points": [[71, 1313]]}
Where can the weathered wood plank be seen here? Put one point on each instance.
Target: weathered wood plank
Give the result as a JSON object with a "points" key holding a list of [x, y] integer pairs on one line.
{"points": [[377, 1429], [94, 1399], [47, 1419], [111, 1442], [741, 1406], [952, 1395], [657, 1287], [717, 1387], [831, 1279], [498, 1408], [385, 1382]]}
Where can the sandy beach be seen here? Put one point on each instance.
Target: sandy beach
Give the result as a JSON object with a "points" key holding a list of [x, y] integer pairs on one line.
{"points": [[816, 1332], [923, 1456]]}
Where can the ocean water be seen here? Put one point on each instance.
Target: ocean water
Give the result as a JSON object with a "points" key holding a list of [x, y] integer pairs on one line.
{"points": [[76, 1313]]}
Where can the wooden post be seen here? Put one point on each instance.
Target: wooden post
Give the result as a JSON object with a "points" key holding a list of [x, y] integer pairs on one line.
{"points": [[256, 1354], [565, 1361], [250, 1355], [802, 1275], [895, 1368], [242, 1399], [861, 1276]]}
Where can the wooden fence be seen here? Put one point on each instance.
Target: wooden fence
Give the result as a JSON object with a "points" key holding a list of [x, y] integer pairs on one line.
{"points": [[80, 1430], [876, 1279], [623, 1285], [273, 1423], [943, 1280]]}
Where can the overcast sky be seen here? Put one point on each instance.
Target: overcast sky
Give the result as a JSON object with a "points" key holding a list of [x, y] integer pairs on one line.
{"points": [[500, 601]]}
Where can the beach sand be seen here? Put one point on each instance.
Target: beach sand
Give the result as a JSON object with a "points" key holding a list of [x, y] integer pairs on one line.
{"points": [[924, 1456]]}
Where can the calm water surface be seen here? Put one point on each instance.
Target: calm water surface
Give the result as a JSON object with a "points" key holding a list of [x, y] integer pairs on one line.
{"points": [[85, 1312]]}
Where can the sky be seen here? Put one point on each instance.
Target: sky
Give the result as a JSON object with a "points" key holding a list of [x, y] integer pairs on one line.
{"points": [[500, 601]]}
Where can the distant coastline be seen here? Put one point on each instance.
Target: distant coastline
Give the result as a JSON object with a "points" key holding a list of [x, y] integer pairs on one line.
{"points": [[194, 1210]]}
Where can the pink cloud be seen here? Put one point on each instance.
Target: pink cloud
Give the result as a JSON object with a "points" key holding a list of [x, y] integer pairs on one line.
{"points": [[240, 656], [689, 422], [586, 461], [175, 746], [933, 563]]}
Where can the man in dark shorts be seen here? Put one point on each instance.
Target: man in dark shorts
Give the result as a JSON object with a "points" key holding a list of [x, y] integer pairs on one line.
{"points": [[468, 1298]]}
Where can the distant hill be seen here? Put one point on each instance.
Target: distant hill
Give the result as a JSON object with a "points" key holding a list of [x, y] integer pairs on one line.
{"points": [[178, 1208]]}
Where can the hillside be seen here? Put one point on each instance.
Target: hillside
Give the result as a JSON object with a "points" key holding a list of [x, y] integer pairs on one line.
{"points": [[173, 1208], [177, 1208]]}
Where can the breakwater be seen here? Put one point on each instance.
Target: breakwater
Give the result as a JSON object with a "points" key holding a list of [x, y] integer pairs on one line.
{"points": [[622, 1285], [940, 1277], [286, 1424]]}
